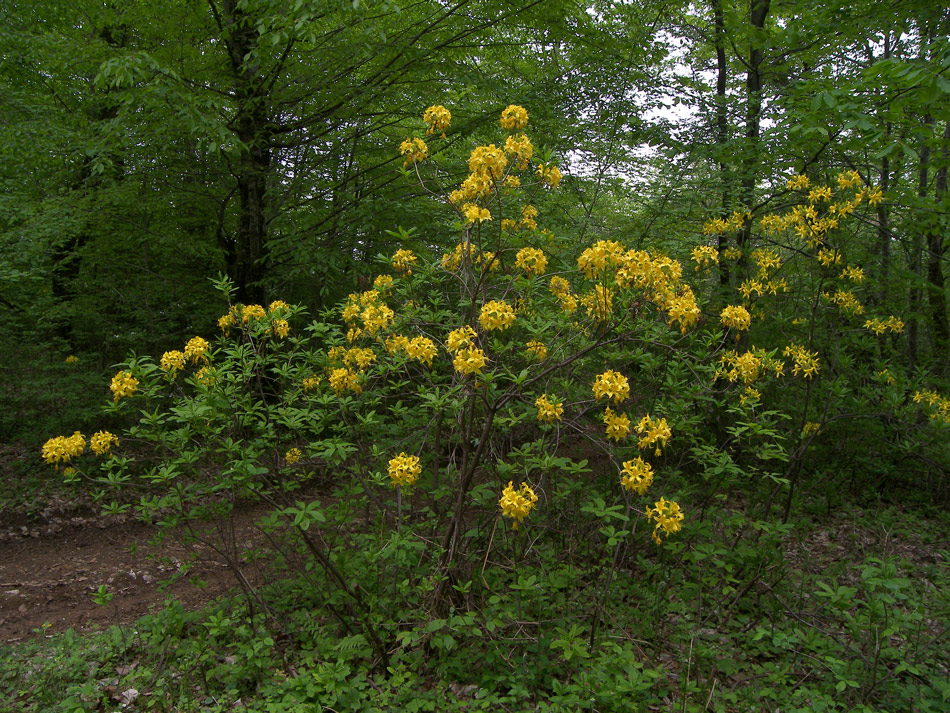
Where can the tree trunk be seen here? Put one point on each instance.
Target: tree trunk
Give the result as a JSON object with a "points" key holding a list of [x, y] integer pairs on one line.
{"points": [[722, 127], [937, 294]]}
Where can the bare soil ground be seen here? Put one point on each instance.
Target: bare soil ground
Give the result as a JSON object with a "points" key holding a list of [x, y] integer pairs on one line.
{"points": [[52, 563]]}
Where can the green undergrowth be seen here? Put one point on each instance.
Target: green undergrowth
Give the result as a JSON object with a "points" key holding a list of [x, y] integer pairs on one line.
{"points": [[840, 611]]}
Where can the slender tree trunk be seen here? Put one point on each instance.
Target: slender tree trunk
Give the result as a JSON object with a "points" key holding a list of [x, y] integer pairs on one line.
{"points": [[883, 209], [251, 127], [722, 127], [758, 11], [937, 294], [916, 257]]}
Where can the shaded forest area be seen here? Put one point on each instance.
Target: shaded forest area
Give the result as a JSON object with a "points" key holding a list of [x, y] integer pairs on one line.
{"points": [[560, 355]]}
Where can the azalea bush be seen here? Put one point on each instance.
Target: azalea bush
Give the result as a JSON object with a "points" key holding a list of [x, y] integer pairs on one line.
{"points": [[514, 404]]}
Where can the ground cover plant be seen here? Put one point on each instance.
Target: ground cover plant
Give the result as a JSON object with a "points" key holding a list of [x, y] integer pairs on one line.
{"points": [[561, 476]]}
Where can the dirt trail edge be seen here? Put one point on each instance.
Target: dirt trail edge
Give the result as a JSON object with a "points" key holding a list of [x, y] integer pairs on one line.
{"points": [[50, 572]]}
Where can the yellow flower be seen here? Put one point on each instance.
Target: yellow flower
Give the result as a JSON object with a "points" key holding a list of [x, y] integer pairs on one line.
{"points": [[550, 175], [531, 260], [205, 376], [855, 274], [310, 383], [599, 303], [536, 350], [293, 456], [404, 470], [344, 379], [668, 516], [806, 362], [819, 193], [520, 149], [496, 314], [798, 183], [123, 384], [487, 162], [172, 361], [549, 411], [618, 425], [514, 117], [559, 286], [461, 338], [101, 441], [251, 313], [72, 359], [277, 306], [611, 385], [517, 504], [653, 433], [414, 150], [281, 328], [438, 118], [383, 282], [196, 348], [469, 361], [403, 260], [636, 475], [811, 429], [474, 213], [735, 317], [62, 448], [705, 255], [421, 348]]}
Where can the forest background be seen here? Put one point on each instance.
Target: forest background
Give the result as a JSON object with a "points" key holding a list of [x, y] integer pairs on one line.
{"points": [[165, 163]]}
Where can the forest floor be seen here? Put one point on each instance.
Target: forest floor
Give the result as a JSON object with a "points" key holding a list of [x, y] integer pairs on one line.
{"points": [[56, 551]]}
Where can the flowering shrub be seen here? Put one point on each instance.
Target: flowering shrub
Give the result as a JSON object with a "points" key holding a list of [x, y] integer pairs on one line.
{"points": [[510, 358]]}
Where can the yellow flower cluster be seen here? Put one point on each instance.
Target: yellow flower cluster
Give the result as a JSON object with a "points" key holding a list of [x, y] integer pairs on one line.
{"points": [[252, 313], [404, 470], [123, 384], [637, 475], [101, 442], [367, 309], [475, 214], [886, 377], [197, 348], [470, 360], [536, 350], [668, 516], [720, 226], [548, 411], [846, 302], [561, 289], [618, 425], [403, 260], [72, 359], [735, 317], [653, 433], [849, 179], [311, 382], [414, 150], [767, 261], [344, 379], [293, 456], [705, 256], [731, 253], [936, 401], [599, 303], [452, 261], [829, 257], [855, 274], [280, 327], [488, 162], [811, 429], [531, 260], [520, 148], [420, 348], [62, 448], [514, 118], [549, 174], [798, 183], [205, 376], [529, 216], [879, 326], [517, 504], [749, 394], [383, 282], [601, 256], [461, 338], [171, 362], [438, 118], [749, 366], [806, 362], [819, 193], [496, 314], [611, 385]]}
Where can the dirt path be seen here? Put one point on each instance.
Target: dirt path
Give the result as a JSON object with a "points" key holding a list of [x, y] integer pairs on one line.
{"points": [[51, 568]]}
